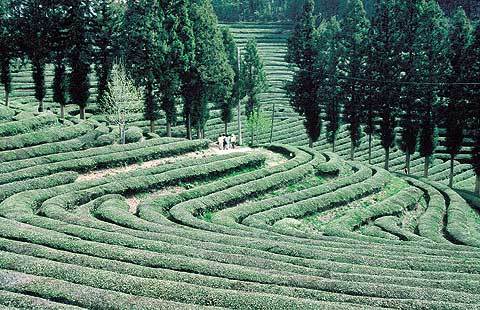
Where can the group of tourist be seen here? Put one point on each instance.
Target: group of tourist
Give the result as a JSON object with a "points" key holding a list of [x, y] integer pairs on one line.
{"points": [[227, 142]]}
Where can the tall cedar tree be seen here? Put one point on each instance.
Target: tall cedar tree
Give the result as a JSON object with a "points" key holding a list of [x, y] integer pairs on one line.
{"points": [[355, 27], [227, 104], [410, 14], [7, 48], [178, 59], [107, 28], [255, 81], [385, 51], [434, 44], [303, 89], [460, 39], [33, 24], [59, 41], [474, 106], [326, 67], [371, 101], [145, 48], [80, 56], [188, 72], [214, 76]]}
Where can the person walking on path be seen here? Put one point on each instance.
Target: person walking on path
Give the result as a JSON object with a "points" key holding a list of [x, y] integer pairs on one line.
{"points": [[227, 142], [233, 141], [221, 142]]}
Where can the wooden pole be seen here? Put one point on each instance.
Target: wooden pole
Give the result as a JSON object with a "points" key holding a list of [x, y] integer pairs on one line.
{"points": [[239, 110]]}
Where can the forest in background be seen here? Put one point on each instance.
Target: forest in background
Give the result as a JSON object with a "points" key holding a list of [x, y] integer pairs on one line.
{"points": [[286, 10]]}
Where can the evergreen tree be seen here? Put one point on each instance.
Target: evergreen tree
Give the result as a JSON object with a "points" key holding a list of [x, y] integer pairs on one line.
{"points": [[474, 106], [227, 104], [59, 45], [410, 14], [107, 28], [214, 76], [7, 48], [144, 51], [460, 39], [371, 102], [352, 65], [303, 89], [33, 24], [177, 60], [80, 29], [255, 80], [434, 44], [326, 65], [385, 51]]}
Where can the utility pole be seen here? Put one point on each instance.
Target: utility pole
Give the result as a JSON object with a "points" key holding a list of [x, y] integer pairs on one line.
{"points": [[239, 110]]}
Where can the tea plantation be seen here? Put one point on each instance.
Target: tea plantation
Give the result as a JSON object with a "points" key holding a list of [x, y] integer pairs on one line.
{"points": [[170, 223]]}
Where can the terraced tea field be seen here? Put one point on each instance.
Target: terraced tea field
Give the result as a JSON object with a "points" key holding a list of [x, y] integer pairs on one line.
{"points": [[168, 223], [164, 223]]}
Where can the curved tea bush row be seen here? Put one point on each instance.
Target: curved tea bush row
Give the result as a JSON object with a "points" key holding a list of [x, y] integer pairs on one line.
{"points": [[27, 125], [49, 135], [141, 151]]}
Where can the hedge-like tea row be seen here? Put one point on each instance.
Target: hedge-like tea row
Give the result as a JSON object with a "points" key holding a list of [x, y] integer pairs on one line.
{"points": [[66, 156], [27, 125], [342, 193], [49, 135], [141, 151]]}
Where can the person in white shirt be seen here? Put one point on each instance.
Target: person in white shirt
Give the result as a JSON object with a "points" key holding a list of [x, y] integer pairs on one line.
{"points": [[227, 142], [221, 141], [233, 140]]}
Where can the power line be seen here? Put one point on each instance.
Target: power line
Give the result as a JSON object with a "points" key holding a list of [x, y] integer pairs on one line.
{"points": [[405, 82]]}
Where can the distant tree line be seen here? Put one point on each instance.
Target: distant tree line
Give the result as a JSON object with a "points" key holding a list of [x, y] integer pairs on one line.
{"points": [[173, 50], [285, 10], [398, 75]]}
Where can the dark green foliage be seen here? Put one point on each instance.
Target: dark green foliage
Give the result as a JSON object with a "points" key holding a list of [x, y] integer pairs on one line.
{"points": [[460, 39], [303, 89], [144, 54], [33, 23], [7, 48], [107, 40], [227, 104], [352, 66], [411, 14], [385, 68], [80, 27], [60, 85], [255, 81], [433, 65], [326, 69], [213, 77]]}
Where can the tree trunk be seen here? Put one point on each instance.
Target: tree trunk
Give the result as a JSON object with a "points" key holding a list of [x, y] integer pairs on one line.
{"points": [[189, 126], [352, 150], [450, 182], [407, 158], [387, 158], [122, 134], [310, 143], [199, 132], [477, 185], [6, 98], [271, 127], [40, 106], [82, 112], [333, 145], [226, 129], [239, 120], [252, 137], [152, 126], [426, 166], [370, 149], [62, 111], [169, 129]]}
